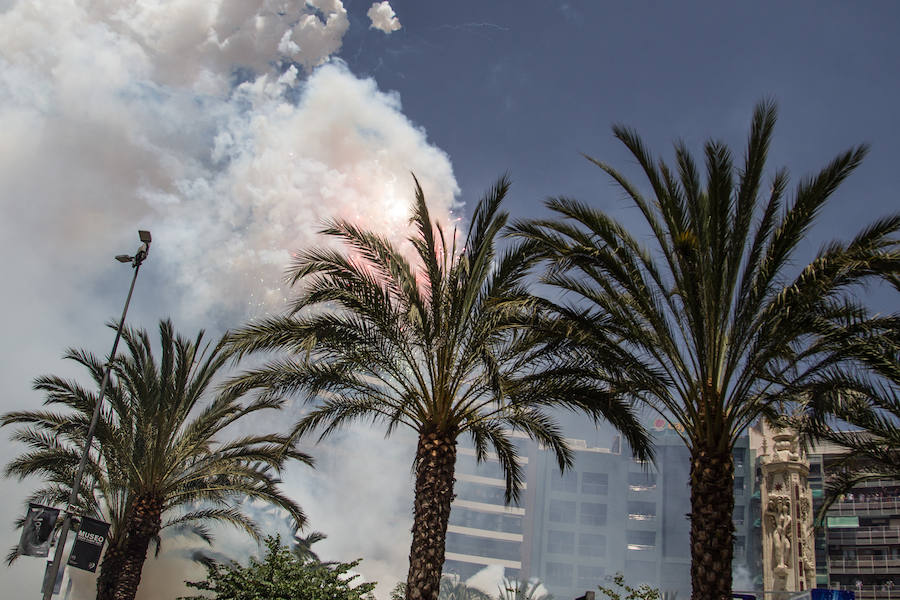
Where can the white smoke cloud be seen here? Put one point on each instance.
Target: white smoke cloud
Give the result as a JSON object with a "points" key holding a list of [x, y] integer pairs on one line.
{"points": [[345, 150], [488, 580], [362, 487], [225, 129], [383, 17]]}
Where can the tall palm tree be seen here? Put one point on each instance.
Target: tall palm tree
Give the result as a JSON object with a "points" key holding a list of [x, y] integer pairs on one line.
{"points": [[436, 345], [161, 451], [713, 317]]}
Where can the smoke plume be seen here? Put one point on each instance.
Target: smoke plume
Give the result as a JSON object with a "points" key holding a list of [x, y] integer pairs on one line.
{"points": [[230, 130], [383, 18]]}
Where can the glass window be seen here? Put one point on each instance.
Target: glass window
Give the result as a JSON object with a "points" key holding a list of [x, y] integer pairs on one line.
{"points": [[591, 544], [593, 514], [640, 482], [489, 468], [561, 542], [559, 574], [641, 511], [640, 571], [465, 544], [476, 492], [640, 540], [465, 517], [595, 483], [589, 577], [738, 454], [567, 482], [562, 511]]}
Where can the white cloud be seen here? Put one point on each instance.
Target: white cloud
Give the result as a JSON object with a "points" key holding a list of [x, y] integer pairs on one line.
{"points": [[383, 18], [225, 129]]}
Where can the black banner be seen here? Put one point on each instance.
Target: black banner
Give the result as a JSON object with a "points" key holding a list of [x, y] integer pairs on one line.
{"points": [[88, 544], [37, 531]]}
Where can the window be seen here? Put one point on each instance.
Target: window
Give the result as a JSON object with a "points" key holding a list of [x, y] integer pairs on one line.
{"points": [[560, 542], [641, 482], [589, 577], [489, 468], [567, 482], [502, 549], [640, 571], [465, 517], [641, 511], [738, 486], [595, 483], [477, 492], [738, 454], [593, 514], [591, 544], [559, 574], [640, 540], [562, 511]]}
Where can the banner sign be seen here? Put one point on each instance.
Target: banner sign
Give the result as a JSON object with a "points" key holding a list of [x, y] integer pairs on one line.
{"points": [[88, 544], [37, 531]]}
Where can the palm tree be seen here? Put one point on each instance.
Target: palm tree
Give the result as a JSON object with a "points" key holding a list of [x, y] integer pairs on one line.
{"points": [[161, 451], [714, 320], [857, 409], [303, 550], [453, 588], [437, 346], [514, 589]]}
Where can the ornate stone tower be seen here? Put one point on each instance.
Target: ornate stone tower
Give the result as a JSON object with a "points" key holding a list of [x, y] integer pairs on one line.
{"points": [[789, 561]]}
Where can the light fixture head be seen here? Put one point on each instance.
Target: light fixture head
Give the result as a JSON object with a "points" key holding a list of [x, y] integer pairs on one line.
{"points": [[123, 258], [144, 235]]}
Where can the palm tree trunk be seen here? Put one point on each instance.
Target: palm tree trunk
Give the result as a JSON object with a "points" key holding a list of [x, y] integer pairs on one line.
{"points": [[141, 526], [435, 464], [712, 531], [110, 569]]}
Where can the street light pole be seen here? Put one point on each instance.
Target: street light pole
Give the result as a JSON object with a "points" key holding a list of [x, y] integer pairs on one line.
{"points": [[53, 569]]}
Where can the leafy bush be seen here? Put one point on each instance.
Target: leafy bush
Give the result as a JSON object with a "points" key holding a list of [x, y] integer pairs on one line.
{"points": [[281, 575], [624, 591]]}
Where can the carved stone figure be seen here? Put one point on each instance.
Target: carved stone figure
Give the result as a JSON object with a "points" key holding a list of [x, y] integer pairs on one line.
{"points": [[779, 518]]}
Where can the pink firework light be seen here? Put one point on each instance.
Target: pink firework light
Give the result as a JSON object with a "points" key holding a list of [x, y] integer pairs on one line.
{"points": [[389, 214], [369, 201]]}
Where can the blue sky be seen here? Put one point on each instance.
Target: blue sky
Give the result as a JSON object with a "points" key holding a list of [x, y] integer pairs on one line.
{"points": [[525, 87], [130, 116]]}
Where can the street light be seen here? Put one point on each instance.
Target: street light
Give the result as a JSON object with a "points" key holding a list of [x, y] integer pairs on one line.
{"points": [[136, 261]]}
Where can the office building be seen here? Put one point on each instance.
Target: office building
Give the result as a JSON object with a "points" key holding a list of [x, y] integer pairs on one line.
{"points": [[609, 514]]}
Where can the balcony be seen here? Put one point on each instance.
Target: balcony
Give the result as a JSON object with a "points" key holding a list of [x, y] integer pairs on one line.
{"points": [[864, 536], [863, 565], [871, 507], [871, 592]]}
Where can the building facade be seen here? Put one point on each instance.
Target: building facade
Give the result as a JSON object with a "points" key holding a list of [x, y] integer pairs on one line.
{"points": [[609, 514], [483, 530], [861, 535]]}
